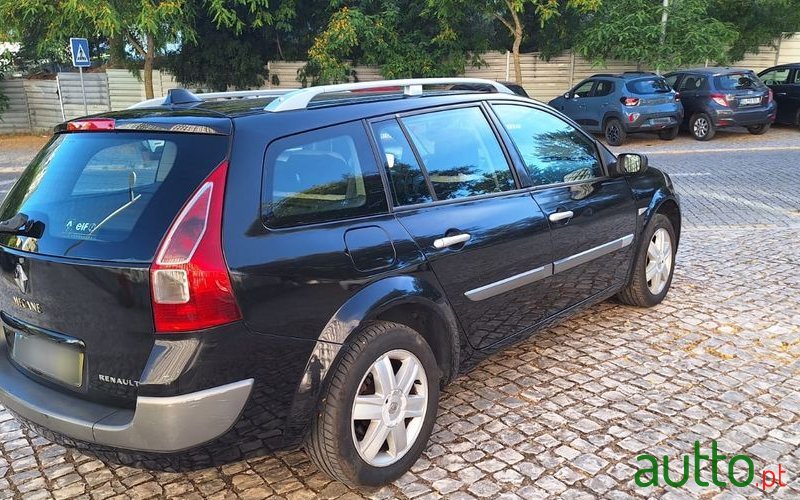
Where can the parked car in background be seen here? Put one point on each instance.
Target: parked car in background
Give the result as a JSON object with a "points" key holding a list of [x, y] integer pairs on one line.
{"points": [[312, 265], [621, 104], [714, 98], [784, 81]]}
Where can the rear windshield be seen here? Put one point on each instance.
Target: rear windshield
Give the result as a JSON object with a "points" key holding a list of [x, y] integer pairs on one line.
{"points": [[106, 195], [649, 86], [738, 81]]}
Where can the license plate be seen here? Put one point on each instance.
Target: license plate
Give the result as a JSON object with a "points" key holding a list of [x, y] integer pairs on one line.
{"points": [[750, 100], [662, 120], [59, 361]]}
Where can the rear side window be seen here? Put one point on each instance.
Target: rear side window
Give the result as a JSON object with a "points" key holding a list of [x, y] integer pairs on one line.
{"points": [[109, 196], [648, 86], [738, 81], [553, 150], [320, 176], [460, 153], [408, 181]]}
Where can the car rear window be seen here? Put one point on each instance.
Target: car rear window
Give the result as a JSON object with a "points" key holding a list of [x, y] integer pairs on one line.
{"points": [[738, 81], [109, 195], [648, 86]]}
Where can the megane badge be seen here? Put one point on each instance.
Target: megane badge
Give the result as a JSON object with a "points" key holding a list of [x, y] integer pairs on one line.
{"points": [[21, 279]]}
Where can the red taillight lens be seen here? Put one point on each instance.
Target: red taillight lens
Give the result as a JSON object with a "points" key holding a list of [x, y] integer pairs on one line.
{"points": [[629, 101], [91, 124], [191, 288], [719, 99], [770, 96]]}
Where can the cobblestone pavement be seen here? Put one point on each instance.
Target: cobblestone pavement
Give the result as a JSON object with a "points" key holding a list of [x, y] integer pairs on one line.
{"points": [[566, 412]]}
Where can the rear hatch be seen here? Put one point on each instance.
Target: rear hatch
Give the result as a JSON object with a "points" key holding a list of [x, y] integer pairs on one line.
{"points": [[81, 228], [743, 90]]}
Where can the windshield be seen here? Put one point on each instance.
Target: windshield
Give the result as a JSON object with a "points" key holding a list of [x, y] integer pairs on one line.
{"points": [[649, 86], [108, 196], [738, 81]]}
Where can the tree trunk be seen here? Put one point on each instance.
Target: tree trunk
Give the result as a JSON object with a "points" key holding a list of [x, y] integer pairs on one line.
{"points": [[517, 59], [149, 57], [116, 49]]}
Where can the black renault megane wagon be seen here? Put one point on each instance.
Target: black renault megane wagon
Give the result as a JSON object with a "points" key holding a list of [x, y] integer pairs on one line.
{"points": [[317, 263]]}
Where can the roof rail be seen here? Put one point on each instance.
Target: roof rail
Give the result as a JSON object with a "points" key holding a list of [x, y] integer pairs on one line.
{"points": [[182, 96], [299, 99]]}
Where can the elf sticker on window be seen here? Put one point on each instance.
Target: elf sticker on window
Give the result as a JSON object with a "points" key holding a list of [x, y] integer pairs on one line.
{"points": [[74, 226]]}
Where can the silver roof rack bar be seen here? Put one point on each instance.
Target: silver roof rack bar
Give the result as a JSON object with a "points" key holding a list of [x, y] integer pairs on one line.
{"points": [[236, 94], [299, 99]]}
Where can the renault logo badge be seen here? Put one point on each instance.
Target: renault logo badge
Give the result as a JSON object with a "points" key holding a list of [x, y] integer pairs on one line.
{"points": [[21, 279]]}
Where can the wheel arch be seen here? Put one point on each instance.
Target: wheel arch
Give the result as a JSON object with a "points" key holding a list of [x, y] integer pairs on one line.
{"points": [[609, 115], [412, 300]]}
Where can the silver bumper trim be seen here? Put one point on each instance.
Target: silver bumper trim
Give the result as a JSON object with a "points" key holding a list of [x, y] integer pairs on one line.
{"points": [[162, 425]]}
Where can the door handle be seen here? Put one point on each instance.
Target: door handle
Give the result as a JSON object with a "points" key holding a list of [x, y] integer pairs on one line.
{"points": [[559, 216], [449, 241], [780, 93]]}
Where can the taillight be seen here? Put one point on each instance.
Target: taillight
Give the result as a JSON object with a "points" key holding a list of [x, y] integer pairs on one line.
{"points": [[677, 97], [91, 124], [191, 288], [629, 101], [719, 99], [770, 96]]}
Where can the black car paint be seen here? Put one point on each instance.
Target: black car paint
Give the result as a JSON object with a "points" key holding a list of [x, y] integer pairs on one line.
{"points": [[787, 95], [303, 293]]}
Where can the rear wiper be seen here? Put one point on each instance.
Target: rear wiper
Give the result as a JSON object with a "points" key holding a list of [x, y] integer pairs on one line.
{"points": [[22, 225]]}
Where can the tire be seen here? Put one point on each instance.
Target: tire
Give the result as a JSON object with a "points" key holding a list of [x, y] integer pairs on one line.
{"points": [[641, 291], [702, 127], [759, 129], [614, 132], [668, 134], [335, 441]]}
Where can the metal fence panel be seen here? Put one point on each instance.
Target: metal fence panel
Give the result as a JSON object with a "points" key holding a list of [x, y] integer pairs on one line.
{"points": [[45, 109], [15, 119]]}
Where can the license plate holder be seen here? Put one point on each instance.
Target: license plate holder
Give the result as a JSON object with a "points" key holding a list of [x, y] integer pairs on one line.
{"points": [[54, 359]]}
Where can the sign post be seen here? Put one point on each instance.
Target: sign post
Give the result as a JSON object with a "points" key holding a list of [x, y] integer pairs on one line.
{"points": [[79, 47]]}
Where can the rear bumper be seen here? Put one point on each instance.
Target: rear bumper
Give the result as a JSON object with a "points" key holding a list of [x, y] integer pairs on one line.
{"points": [[649, 122], [745, 118], [157, 424]]}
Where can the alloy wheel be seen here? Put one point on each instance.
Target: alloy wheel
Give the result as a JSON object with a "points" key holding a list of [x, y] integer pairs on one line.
{"points": [[389, 408], [701, 127], [659, 261]]}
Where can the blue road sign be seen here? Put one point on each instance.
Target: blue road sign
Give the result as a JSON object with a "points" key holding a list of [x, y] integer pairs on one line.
{"points": [[80, 52]]}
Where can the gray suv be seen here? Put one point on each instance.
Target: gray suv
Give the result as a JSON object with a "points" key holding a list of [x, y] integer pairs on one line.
{"points": [[617, 105]]}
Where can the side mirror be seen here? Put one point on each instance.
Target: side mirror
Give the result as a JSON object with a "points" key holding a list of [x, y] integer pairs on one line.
{"points": [[629, 164], [568, 95]]}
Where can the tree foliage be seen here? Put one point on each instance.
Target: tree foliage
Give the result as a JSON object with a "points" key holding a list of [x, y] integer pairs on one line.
{"points": [[632, 30], [406, 38], [757, 22]]}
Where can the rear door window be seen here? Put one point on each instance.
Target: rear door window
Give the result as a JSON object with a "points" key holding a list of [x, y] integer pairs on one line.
{"points": [[604, 88], [694, 82], [409, 186], [460, 152], [109, 195], [319, 176]]}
